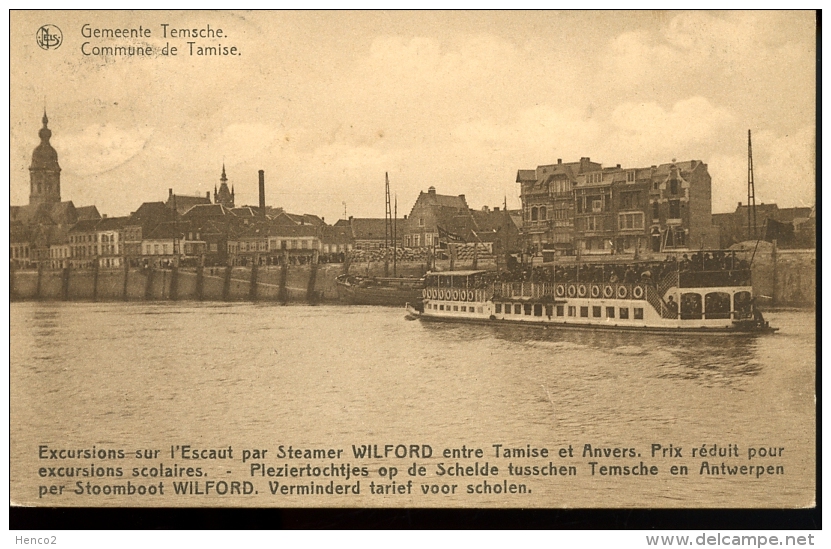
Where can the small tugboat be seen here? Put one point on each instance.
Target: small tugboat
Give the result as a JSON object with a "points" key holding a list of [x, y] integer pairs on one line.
{"points": [[369, 290], [709, 293]]}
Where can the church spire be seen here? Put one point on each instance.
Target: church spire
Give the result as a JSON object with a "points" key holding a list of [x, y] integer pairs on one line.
{"points": [[44, 171], [45, 133], [223, 195]]}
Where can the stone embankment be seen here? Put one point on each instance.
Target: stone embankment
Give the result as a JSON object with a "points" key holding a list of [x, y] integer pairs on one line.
{"points": [[783, 278]]}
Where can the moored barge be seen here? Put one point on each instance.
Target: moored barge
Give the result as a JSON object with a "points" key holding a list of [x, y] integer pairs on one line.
{"points": [[709, 293], [372, 290]]}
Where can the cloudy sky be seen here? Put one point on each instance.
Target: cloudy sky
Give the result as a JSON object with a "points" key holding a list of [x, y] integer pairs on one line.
{"points": [[326, 102]]}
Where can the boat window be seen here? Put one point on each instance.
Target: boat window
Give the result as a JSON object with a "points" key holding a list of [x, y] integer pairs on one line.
{"points": [[549, 310], [690, 306], [596, 311], [572, 310], [507, 308], [638, 313], [441, 307], [537, 309], [741, 303], [498, 307], [610, 312], [517, 308], [584, 312], [717, 305], [455, 307], [464, 308], [560, 310], [528, 309]]}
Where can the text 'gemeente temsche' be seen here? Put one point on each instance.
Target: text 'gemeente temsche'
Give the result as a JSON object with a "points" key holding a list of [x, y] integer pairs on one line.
{"points": [[128, 41]]}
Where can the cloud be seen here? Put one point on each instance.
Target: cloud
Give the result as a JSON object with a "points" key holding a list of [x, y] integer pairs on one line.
{"points": [[690, 125], [100, 148], [783, 171], [632, 132], [241, 142]]}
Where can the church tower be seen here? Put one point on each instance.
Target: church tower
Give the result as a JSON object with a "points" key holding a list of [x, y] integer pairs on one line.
{"points": [[44, 173], [224, 196]]}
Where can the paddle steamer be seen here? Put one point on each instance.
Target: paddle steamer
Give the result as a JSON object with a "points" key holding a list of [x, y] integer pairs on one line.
{"points": [[708, 293]]}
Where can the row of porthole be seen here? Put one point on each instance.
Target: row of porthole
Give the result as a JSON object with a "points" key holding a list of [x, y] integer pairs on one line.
{"points": [[609, 292], [453, 295]]}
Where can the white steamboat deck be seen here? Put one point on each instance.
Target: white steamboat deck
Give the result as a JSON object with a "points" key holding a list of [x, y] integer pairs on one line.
{"points": [[617, 306]]}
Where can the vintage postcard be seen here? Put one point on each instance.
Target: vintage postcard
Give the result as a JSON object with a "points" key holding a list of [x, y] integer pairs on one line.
{"points": [[433, 259]]}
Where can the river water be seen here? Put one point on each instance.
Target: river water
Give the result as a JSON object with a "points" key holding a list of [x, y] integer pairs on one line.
{"points": [[250, 376]]}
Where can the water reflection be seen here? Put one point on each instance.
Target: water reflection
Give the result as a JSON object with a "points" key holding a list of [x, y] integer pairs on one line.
{"points": [[710, 360]]}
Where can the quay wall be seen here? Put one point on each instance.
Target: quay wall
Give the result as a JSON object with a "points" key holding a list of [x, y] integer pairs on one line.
{"points": [[785, 278]]}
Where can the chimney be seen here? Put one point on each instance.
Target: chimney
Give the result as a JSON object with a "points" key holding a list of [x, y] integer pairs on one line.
{"points": [[496, 209], [104, 216], [208, 195], [169, 194], [431, 190], [740, 204], [262, 192], [463, 198], [618, 166], [559, 161], [584, 164]]}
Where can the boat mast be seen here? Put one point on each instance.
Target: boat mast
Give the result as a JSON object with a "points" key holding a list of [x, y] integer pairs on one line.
{"points": [[387, 226], [751, 192], [395, 238], [387, 212]]}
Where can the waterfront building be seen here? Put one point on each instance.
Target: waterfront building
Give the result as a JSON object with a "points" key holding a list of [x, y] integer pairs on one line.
{"points": [[548, 204], [60, 251], [19, 251], [733, 226], [582, 207], [211, 223], [335, 242], [83, 244], [140, 223], [297, 240], [432, 218], [160, 248], [370, 233], [109, 239]]}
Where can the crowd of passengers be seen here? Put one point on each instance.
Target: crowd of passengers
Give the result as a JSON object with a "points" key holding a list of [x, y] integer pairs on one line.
{"points": [[700, 269]]}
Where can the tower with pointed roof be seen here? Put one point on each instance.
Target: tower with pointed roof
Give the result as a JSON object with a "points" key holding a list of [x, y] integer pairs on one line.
{"points": [[224, 196], [44, 172]]}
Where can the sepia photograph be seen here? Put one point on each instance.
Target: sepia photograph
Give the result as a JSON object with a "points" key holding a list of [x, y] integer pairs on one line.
{"points": [[413, 259]]}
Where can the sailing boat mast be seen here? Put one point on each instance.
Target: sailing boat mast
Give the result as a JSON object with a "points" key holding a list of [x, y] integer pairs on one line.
{"points": [[395, 239], [387, 214], [751, 192]]}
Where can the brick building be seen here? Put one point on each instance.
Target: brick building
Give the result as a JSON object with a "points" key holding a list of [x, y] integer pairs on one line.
{"points": [[585, 208]]}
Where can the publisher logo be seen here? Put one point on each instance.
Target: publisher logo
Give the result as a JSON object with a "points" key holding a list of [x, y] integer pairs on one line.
{"points": [[49, 37]]}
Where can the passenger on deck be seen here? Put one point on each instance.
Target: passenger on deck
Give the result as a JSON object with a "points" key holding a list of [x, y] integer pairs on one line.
{"points": [[672, 305]]}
